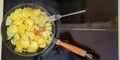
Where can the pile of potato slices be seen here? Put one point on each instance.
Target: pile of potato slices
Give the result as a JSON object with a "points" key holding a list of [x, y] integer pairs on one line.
{"points": [[29, 29]]}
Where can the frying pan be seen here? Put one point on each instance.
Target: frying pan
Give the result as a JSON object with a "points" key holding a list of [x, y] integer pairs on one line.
{"points": [[54, 41]]}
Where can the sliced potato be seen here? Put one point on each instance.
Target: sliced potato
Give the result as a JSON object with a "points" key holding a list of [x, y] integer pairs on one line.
{"points": [[10, 35], [16, 15], [37, 38], [42, 42], [18, 22], [13, 42], [25, 43], [27, 12], [33, 47], [28, 29], [24, 37], [17, 37], [17, 50], [21, 29], [31, 35], [42, 45], [42, 20], [29, 22], [48, 24], [8, 21], [19, 46], [46, 34], [36, 12], [12, 29]]}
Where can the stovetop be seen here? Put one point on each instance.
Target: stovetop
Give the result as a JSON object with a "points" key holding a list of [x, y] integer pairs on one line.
{"points": [[92, 39]]}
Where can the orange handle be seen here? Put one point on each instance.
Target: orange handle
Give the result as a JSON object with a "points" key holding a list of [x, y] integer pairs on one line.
{"points": [[72, 48]]}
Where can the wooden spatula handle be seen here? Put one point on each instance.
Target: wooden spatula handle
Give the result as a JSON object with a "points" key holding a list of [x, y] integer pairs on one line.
{"points": [[72, 48]]}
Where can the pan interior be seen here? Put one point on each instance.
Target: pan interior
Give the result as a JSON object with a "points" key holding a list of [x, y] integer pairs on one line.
{"points": [[4, 29]]}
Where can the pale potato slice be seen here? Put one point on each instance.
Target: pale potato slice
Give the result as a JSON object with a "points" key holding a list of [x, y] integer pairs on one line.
{"points": [[25, 43], [27, 12], [46, 34], [8, 21], [43, 45], [35, 19], [33, 47], [16, 37], [48, 28], [12, 29], [36, 12], [42, 20], [13, 41], [31, 35], [18, 22], [29, 25], [24, 37], [42, 42], [29, 22], [16, 15], [49, 40], [10, 35]]}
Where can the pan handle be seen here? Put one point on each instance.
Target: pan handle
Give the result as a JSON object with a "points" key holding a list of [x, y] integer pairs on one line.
{"points": [[74, 49]]}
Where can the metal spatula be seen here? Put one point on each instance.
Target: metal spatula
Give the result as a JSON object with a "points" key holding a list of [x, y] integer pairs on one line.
{"points": [[58, 16]]}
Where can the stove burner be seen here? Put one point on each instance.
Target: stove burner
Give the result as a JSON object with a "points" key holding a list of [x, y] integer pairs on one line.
{"points": [[58, 53]]}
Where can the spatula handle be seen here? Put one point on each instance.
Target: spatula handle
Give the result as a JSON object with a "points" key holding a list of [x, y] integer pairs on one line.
{"points": [[72, 48]]}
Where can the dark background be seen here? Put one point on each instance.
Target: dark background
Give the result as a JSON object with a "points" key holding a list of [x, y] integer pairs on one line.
{"points": [[101, 10]]}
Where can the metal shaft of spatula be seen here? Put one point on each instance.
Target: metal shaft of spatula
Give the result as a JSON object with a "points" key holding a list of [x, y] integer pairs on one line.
{"points": [[74, 13], [58, 16]]}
